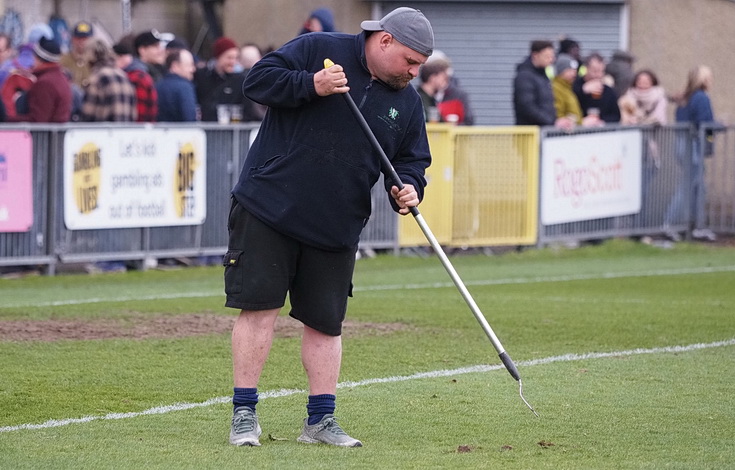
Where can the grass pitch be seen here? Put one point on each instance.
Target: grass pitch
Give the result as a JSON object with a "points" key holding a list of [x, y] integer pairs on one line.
{"points": [[643, 407]]}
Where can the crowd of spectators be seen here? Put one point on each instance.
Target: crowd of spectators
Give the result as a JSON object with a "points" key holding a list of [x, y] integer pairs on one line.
{"points": [[140, 78], [551, 90], [443, 97], [143, 78], [567, 89]]}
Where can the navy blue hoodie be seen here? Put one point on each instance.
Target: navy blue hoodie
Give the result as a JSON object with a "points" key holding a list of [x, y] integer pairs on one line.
{"points": [[309, 172]]}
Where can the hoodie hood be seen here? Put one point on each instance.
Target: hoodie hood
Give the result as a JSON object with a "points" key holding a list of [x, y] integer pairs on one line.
{"points": [[325, 17]]}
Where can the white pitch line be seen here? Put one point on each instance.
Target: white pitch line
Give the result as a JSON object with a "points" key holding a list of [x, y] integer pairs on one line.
{"points": [[390, 287], [54, 423]]}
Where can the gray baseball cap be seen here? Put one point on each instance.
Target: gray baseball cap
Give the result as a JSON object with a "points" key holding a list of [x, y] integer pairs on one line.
{"points": [[408, 26]]}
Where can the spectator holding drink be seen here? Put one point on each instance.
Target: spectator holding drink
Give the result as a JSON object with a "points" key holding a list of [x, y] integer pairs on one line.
{"points": [[597, 100], [219, 87]]}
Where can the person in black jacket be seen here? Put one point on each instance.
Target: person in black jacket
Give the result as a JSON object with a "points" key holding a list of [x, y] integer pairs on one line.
{"points": [[596, 98], [304, 197], [219, 84], [533, 98]]}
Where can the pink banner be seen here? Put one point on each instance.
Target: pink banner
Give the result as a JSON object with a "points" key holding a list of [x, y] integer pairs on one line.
{"points": [[16, 181]]}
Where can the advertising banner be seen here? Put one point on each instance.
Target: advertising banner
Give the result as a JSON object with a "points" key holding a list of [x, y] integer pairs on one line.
{"points": [[123, 178], [592, 176], [16, 181]]}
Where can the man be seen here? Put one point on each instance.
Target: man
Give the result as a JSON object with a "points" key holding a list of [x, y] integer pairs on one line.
{"points": [[620, 70], [533, 98], [596, 98], [145, 90], [109, 97], [49, 98], [220, 84], [453, 101], [177, 100], [434, 78], [74, 61], [16, 74], [250, 54], [304, 196], [565, 101], [152, 54]]}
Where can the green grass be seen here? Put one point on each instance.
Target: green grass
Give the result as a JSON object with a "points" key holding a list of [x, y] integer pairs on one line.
{"points": [[662, 410]]}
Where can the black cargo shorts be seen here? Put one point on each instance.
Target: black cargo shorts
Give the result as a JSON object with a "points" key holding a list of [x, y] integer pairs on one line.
{"points": [[262, 266]]}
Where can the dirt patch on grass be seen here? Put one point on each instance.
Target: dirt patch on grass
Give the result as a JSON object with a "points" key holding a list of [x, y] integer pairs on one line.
{"points": [[139, 326]]}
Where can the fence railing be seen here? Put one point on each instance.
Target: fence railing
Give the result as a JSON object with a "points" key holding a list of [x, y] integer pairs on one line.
{"points": [[671, 167], [488, 186]]}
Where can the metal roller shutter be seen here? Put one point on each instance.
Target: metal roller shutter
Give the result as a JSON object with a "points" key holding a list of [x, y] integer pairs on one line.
{"points": [[486, 40]]}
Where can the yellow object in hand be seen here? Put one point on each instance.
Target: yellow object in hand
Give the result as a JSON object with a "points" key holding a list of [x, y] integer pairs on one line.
{"points": [[328, 63]]}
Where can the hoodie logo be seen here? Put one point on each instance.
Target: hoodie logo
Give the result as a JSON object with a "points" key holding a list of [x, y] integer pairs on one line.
{"points": [[391, 119]]}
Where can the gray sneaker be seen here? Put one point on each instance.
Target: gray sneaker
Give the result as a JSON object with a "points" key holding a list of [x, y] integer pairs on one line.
{"points": [[245, 429], [327, 431], [704, 234]]}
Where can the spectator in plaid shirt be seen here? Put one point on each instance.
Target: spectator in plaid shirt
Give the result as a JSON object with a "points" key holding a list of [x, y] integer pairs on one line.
{"points": [[109, 96], [145, 89]]}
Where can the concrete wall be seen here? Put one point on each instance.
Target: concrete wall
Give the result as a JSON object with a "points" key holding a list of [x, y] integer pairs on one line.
{"points": [[165, 16], [670, 39], [272, 23]]}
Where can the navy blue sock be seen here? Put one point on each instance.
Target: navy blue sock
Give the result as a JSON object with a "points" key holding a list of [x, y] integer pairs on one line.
{"points": [[318, 406], [245, 397]]}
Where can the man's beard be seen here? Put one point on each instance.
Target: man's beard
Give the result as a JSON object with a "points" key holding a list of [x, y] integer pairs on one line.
{"points": [[399, 82]]}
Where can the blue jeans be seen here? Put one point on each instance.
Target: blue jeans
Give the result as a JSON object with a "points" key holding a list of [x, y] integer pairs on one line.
{"points": [[690, 186]]}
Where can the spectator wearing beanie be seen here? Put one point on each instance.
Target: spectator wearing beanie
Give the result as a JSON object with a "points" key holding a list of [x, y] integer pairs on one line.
{"points": [[49, 98], [16, 74], [219, 84], [565, 101], [24, 58]]}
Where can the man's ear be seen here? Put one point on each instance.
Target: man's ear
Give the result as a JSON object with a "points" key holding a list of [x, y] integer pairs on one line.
{"points": [[386, 39]]}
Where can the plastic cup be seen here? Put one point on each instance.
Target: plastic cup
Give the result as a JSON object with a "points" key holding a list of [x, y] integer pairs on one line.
{"points": [[223, 113], [235, 113]]}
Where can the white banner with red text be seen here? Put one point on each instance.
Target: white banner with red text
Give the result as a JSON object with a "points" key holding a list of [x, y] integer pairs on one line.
{"points": [[586, 177]]}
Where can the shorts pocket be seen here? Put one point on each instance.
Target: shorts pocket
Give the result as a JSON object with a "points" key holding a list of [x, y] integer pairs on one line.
{"points": [[233, 272]]}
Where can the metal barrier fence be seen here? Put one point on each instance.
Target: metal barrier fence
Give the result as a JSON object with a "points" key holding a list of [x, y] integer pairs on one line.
{"points": [[484, 191], [720, 177], [671, 165], [483, 187], [49, 242]]}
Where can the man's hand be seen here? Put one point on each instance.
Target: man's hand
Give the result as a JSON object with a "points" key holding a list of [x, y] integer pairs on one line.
{"points": [[592, 121], [593, 87], [331, 80], [565, 123], [405, 198]]}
